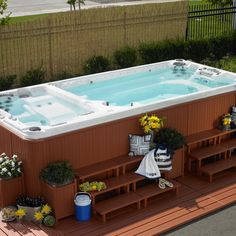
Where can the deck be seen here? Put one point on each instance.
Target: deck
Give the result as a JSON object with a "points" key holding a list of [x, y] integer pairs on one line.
{"points": [[196, 199]]}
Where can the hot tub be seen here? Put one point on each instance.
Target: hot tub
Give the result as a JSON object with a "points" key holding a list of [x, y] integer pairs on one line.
{"points": [[54, 108]]}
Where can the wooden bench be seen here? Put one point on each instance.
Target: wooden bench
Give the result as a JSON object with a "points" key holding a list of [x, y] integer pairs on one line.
{"points": [[115, 203], [152, 190], [104, 167], [117, 182], [218, 166]]}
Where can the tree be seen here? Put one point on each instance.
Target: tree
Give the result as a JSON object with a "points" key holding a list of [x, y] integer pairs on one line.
{"points": [[72, 4], [221, 3], [81, 2], [4, 18]]}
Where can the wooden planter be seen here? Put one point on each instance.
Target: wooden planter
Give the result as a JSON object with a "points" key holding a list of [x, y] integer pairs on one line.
{"points": [[177, 164], [61, 199], [10, 189]]}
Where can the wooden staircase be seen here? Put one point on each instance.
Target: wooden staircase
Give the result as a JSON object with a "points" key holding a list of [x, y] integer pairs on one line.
{"points": [[212, 145], [130, 188]]}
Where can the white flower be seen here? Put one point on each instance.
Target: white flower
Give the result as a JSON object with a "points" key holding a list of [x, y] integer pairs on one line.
{"points": [[3, 154], [19, 163], [14, 157], [6, 158], [1, 159], [4, 170], [9, 173], [13, 164], [18, 169], [7, 162]]}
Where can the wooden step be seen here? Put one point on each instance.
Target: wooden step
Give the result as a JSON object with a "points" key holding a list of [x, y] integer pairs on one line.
{"points": [[103, 167], [153, 190], [229, 144], [218, 166], [118, 182], [205, 152], [115, 203]]}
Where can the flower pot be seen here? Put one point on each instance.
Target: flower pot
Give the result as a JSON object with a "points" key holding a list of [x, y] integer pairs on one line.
{"points": [[30, 211], [61, 199], [177, 164], [10, 189]]}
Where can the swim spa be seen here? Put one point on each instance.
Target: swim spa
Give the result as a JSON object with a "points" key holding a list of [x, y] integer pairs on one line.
{"points": [[65, 121], [54, 108]]}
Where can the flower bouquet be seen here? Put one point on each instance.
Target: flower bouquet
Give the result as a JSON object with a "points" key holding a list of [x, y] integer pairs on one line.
{"points": [[151, 124], [226, 121], [10, 167]]}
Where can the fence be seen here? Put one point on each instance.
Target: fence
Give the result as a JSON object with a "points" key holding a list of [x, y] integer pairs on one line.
{"points": [[63, 42], [206, 21]]}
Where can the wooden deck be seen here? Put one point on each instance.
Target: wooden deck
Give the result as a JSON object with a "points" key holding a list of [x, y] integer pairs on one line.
{"points": [[196, 199]]}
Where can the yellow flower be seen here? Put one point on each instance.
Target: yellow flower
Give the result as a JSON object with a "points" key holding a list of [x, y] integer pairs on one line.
{"points": [[147, 129], [46, 209], [151, 123], [38, 215], [20, 213]]}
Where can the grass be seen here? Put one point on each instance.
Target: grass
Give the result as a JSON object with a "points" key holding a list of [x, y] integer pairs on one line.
{"points": [[20, 19]]}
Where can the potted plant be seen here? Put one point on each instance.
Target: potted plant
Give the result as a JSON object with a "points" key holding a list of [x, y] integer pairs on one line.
{"points": [[59, 188], [11, 179], [30, 205], [44, 216], [174, 142]]}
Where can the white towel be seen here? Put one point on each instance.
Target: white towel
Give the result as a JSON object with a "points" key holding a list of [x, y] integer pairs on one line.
{"points": [[148, 167]]}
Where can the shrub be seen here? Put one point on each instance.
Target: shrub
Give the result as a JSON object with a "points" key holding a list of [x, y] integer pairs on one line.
{"points": [[170, 138], [221, 45], [162, 51], [197, 50], [125, 57], [96, 64], [32, 77], [58, 173], [7, 82]]}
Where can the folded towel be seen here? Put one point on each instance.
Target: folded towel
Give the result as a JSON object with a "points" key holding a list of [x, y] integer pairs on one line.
{"points": [[148, 167]]}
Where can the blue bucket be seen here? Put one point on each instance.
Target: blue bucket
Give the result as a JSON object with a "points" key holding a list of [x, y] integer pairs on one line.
{"points": [[82, 206]]}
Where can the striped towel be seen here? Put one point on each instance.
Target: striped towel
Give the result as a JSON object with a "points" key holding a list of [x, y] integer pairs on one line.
{"points": [[163, 159]]}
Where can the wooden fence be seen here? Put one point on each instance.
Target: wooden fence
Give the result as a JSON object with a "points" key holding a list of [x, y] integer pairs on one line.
{"points": [[63, 42]]}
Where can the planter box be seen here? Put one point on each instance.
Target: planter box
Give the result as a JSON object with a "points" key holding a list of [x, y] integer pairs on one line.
{"points": [[61, 199], [10, 189], [177, 164]]}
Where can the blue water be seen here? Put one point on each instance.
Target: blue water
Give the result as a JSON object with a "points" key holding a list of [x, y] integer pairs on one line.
{"points": [[143, 87], [26, 113]]}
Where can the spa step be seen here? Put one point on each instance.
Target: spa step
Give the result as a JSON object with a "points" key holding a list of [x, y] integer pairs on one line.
{"points": [[115, 203], [205, 152], [153, 190], [104, 167], [218, 166], [128, 180]]}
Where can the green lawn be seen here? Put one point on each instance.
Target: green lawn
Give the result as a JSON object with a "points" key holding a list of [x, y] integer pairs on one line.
{"points": [[20, 19]]}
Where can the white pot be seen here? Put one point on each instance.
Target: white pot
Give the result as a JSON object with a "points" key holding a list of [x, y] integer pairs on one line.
{"points": [[30, 211]]}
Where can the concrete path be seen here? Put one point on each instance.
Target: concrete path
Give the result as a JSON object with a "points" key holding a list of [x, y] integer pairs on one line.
{"points": [[33, 7], [219, 224]]}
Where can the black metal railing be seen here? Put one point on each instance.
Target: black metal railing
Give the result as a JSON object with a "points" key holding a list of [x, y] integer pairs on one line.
{"points": [[205, 21]]}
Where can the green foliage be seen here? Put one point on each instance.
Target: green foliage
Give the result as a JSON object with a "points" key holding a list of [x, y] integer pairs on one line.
{"points": [[49, 220], [4, 18], [161, 51], [32, 77], [171, 138], [7, 82], [125, 57], [221, 3], [197, 49], [58, 173], [96, 64]]}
